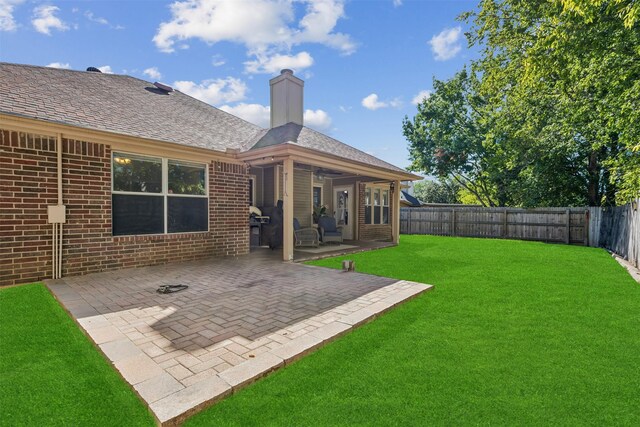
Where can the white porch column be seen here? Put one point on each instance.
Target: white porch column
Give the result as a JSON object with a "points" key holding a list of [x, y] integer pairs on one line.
{"points": [[287, 199], [395, 224]]}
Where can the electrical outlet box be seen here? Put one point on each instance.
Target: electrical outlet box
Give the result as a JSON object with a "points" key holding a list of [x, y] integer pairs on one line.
{"points": [[57, 214]]}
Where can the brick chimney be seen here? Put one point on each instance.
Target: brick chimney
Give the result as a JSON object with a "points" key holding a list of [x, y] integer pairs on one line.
{"points": [[286, 99]]}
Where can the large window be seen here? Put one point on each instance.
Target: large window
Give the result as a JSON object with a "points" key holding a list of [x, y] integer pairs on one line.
{"points": [[376, 205], [152, 195]]}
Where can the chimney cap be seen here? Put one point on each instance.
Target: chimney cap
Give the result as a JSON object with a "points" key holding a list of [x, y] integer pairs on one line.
{"points": [[286, 71]]}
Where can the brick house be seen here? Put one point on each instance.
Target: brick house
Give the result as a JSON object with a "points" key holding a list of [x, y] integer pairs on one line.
{"points": [[103, 171]]}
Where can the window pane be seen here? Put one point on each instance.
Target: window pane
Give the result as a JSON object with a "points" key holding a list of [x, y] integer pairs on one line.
{"points": [[385, 198], [367, 197], [376, 197], [137, 173], [186, 178], [376, 215], [385, 215], [317, 197], [367, 214], [186, 214], [137, 214]]}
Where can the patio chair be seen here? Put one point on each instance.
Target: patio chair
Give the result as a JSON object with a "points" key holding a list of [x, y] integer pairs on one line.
{"points": [[305, 236], [329, 232]]}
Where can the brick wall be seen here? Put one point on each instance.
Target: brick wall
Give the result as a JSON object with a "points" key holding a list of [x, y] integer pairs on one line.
{"points": [[380, 232], [28, 184]]}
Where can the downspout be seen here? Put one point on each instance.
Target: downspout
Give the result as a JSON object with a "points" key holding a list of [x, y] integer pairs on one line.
{"points": [[57, 217], [59, 168]]}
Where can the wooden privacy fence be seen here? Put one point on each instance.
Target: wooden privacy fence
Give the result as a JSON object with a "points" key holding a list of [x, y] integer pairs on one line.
{"points": [[563, 225], [619, 230]]}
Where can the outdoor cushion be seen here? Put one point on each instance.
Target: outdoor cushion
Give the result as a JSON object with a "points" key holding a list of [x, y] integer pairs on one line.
{"points": [[329, 232]]}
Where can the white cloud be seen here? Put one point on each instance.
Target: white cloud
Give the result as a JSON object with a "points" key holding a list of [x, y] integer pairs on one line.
{"points": [[317, 119], [153, 73], [217, 60], [254, 113], [446, 44], [344, 109], [91, 17], [214, 91], [372, 102], [61, 65], [106, 69], [99, 20], [7, 23], [44, 20], [273, 64], [397, 3], [267, 28], [420, 96]]}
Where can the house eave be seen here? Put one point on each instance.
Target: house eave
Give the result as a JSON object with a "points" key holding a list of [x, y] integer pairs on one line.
{"points": [[320, 158], [117, 141]]}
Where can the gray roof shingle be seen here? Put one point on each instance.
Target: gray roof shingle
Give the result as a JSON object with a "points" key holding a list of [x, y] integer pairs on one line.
{"points": [[119, 104], [309, 138], [129, 106]]}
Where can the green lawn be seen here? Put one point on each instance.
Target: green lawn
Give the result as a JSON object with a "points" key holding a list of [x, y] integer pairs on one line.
{"points": [[515, 333], [50, 374]]}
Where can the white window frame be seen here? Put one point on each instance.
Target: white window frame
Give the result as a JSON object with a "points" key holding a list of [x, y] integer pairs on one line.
{"points": [[373, 189], [253, 180], [313, 187], [165, 190]]}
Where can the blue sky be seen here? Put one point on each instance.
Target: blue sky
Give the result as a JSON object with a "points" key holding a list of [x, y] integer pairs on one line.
{"points": [[363, 62]]}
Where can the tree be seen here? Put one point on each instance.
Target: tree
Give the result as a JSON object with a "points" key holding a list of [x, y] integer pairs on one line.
{"points": [[571, 68], [549, 114], [437, 191]]}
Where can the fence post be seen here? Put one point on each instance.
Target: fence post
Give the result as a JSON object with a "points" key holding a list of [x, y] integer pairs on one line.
{"points": [[505, 228], [409, 221], [568, 237], [586, 227], [453, 222]]}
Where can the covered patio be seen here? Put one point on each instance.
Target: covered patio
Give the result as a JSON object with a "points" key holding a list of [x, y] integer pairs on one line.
{"points": [[240, 318], [297, 173]]}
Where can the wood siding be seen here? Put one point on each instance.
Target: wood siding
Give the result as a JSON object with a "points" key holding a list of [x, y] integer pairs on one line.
{"points": [[268, 187], [302, 197]]}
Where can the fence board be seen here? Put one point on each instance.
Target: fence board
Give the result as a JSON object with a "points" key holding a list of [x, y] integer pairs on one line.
{"points": [[544, 224], [617, 228], [620, 231]]}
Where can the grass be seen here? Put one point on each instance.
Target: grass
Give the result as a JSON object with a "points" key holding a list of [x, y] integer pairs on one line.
{"points": [[515, 333], [50, 374]]}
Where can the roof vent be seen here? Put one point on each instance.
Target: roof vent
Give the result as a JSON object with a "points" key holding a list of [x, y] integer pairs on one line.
{"points": [[94, 70], [163, 87]]}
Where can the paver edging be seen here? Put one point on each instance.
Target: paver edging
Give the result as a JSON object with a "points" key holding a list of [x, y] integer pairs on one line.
{"points": [[85, 332], [343, 329], [174, 408]]}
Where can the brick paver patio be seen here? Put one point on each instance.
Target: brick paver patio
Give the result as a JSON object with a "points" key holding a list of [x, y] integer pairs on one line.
{"points": [[240, 319]]}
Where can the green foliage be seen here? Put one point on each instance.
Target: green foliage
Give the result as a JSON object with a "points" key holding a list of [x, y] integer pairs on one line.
{"points": [[549, 113], [437, 191]]}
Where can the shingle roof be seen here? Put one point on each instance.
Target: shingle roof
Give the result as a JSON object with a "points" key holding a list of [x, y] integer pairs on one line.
{"points": [[120, 104], [129, 106], [309, 138]]}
